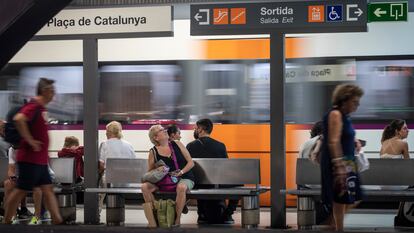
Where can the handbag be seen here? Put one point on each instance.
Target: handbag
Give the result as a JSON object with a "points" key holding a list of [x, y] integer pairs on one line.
{"points": [[157, 174], [362, 162], [169, 183], [165, 211]]}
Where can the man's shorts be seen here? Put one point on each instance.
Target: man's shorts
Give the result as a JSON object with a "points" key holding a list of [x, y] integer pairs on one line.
{"points": [[32, 175]]}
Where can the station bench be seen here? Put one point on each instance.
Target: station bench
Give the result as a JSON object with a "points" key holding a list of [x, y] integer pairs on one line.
{"points": [[121, 174], [64, 184], [378, 184]]}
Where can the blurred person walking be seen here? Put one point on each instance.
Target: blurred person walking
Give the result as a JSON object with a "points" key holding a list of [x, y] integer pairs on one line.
{"points": [[10, 184], [3, 154], [340, 179], [32, 155]]}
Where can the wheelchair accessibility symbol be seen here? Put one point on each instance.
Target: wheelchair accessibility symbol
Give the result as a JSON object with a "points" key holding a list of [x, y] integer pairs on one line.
{"points": [[334, 13]]}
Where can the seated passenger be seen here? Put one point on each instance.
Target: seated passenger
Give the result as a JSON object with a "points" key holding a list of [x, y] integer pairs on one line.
{"points": [[393, 145], [161, 151], [210, 211], [311, 148], [174, 133], [71, 149], [113, 147], [10, 184], [4, 146]]}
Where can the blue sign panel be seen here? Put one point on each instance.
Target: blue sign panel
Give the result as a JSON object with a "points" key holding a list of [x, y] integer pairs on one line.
{"points": [[334, 13]]}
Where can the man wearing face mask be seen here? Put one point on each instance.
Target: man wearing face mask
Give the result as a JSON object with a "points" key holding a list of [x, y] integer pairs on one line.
{"points": [[206, 147]]}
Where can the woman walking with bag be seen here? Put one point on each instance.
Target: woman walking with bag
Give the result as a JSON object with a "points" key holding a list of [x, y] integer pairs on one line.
{"points": [[340, 180], [178, 159]]}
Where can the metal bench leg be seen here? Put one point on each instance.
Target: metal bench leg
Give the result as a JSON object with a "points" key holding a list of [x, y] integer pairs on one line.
{"points": [[250, 212], [115, 210], [67, 207], [306, 212]]}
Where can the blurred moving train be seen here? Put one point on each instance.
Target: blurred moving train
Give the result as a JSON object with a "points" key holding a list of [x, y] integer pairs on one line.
{"points": [[182, 79]]}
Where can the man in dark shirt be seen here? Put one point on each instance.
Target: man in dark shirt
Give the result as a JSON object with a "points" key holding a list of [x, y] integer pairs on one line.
{"points": [[206, 147]]}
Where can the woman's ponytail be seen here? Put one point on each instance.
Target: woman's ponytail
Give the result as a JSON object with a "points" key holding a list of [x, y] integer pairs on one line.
{"points": [[388, 133]]}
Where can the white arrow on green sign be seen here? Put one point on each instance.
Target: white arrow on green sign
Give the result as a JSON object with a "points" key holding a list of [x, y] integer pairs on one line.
{"points": [[387, 11]]}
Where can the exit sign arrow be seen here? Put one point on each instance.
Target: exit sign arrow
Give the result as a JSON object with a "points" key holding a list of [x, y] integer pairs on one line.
{"points": [[378, 12], [387, 11]]}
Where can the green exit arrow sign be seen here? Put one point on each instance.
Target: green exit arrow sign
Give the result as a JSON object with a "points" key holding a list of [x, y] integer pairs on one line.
{"points": [[387, 11]]}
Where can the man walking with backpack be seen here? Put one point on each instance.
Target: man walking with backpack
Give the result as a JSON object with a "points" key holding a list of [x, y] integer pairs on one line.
{"points": [[32, 156]]}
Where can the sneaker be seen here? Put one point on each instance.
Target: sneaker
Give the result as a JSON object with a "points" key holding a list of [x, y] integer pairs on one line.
{"points": [[15, 221], [34, 221], [45, 215], [228, 219], [24, 213]]}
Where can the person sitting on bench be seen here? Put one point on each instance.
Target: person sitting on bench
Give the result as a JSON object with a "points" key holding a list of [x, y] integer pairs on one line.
{"points": [[210, 211], [71, 149], [171, 153]]}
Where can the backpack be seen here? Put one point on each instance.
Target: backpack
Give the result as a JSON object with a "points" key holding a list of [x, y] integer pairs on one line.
{"points": [[307, 148], [405, 215], [11, 134], [213, 210]]}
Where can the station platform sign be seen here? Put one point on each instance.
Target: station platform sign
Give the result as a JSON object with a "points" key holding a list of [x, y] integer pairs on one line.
{"points": [[387, 11], [263, 18], [110, 23]]}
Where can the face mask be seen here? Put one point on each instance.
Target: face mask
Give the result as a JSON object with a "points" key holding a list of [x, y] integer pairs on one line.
{"points": [[195, 134]]}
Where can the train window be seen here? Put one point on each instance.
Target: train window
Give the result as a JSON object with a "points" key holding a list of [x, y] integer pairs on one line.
{"points": [[19, 82], [138, 94], [259, 93], [223, 92], [388, 87]]}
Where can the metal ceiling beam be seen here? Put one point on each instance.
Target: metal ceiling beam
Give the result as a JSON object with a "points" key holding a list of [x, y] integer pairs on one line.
{"points": [[95, 3]]}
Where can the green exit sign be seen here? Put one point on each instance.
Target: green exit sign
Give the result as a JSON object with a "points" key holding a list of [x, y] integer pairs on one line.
{"points": [[387, 11]]}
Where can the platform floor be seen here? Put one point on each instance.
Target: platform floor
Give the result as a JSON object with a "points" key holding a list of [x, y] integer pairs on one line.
{"points": [[356, 221]]}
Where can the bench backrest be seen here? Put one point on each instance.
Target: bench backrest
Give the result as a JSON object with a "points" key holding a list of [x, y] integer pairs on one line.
{"points": [[125, 171], [307, 173], [389, 172], [64, 169], [380, 172], [206, 171], [4, 163]]}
